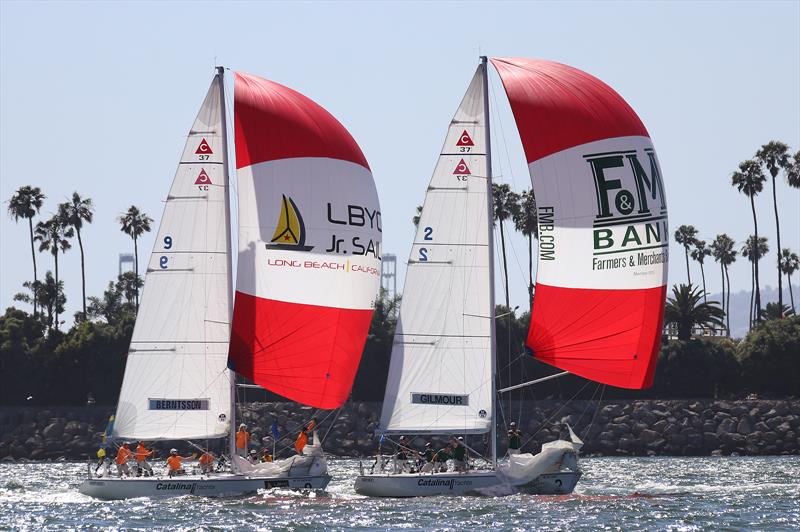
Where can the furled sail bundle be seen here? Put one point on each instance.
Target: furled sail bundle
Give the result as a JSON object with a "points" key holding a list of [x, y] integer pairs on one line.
{"points": [[176, 383], [309, 246], [440, 376], [603, 236]]}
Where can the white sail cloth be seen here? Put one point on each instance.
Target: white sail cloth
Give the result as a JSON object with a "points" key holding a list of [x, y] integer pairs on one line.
{"points": [[310, 462], [440, 376], [554, 456], [176, 385]]}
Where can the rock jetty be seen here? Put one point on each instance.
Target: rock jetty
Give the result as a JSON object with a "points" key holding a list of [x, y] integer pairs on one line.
{"points": [[613, 428]]}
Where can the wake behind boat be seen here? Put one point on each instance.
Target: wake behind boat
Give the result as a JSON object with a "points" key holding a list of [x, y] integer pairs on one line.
{"points": [[302, 307], [598, 309]]}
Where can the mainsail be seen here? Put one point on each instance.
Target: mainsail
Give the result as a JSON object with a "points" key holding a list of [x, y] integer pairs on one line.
{"points": [[603, 235], [176, 385], [440, 375], [309, 246]]}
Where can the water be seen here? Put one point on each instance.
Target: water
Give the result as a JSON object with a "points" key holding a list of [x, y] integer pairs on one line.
{"points": [[721, 493]]}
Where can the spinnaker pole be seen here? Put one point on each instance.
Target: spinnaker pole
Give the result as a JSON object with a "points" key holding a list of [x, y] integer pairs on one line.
{"points": [[228, 229], [490, 221]]}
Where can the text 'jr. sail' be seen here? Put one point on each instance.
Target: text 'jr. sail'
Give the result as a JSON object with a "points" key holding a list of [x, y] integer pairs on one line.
{"points": [[309, 246], [603, 234], [440, 375], [176, 384]]}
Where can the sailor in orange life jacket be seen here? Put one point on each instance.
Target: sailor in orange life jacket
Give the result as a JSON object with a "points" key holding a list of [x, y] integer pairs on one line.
{"points": [[141, 460], [242, 439], [207, 462], [174, 462], [123, 455], [305, 434]]}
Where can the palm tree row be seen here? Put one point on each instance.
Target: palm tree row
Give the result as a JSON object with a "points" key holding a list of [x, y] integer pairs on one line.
{"points": [[54, 235]]}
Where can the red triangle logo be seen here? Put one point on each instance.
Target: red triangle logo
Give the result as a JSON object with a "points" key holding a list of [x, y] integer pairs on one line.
{"points": [[205, 149], [203, 178], [462, 169], [465, 140]]}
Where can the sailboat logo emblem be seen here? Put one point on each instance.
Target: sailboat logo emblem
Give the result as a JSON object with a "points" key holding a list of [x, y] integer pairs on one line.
{"points": [[290, 231]]}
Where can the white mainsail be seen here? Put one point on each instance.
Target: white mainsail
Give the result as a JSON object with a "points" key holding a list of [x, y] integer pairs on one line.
{"points": [[440, 376], [176, 384]]}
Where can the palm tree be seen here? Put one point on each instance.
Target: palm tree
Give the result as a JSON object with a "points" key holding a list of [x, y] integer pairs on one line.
{"points": [[527, 223], [686, 235], [415, 219], [25, 203], [76, 212], [504, 203], [749, 180], [699, 253], [51, 296], [723, 252], [774, 311], [793, 171], [790, 263], [685, 310], [775, 156], [134, 224], [753, 250], [54, 235]]}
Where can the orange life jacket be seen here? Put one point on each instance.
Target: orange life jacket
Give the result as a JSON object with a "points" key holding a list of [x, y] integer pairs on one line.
{"points": [[142, 453], [206, 459], [300, 442], [242, 437], [174, 462], [122, 455]]}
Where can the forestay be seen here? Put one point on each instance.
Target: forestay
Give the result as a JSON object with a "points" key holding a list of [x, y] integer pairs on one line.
{"points": [[309, 246], [176, 384], [603, 234], [440, 376]]}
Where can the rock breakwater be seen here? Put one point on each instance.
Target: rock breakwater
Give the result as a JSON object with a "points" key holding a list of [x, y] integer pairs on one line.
{"points": [[614, 428]]}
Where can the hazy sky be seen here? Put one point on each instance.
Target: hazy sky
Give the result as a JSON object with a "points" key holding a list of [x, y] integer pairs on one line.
{"points": [[98, 97]]}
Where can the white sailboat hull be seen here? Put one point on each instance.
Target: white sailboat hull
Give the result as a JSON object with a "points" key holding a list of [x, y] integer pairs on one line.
{"points": [[469, 483], [223, 485]]}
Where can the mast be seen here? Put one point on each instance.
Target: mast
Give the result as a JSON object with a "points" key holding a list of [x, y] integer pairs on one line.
{"points": [[490, 221], [226, 171]]}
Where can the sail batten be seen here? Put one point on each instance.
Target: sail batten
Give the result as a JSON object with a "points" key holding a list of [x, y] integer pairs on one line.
{"points": [[176, 385], [603, 231]]}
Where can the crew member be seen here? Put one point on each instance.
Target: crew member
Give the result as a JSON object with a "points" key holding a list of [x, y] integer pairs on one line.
{"points": [[428, 455], [305, 434], [514, 439], [402, 454], [141, 460], [440, 459], [265, 456], [174, 462], [207, 462], [242, 439], [101, 458], [459, 454], [123, 454], [252, 456]]}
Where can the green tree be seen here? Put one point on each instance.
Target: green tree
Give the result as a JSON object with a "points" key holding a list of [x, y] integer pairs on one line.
{"points": [[774, 155], [74, 213], [117, 306], [768, 356], [53, 236], [504, 205], [685, 311], [749, 180], [699, 253], [686, 236], [527, 223], [790, 263], [20, 337], [370, 381], [774, 311], [52, 299], [25, 203], [134, 224], [415, 219], [723, 252], [753, 250], [699, 367]]}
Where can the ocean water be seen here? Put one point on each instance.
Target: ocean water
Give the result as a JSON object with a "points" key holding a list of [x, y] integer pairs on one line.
{"points": [[719, 493]]}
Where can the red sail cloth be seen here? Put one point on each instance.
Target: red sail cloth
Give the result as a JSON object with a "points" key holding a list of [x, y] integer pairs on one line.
{"points": [[557, 106], [306, 353], [609, 336], [274, 122]]}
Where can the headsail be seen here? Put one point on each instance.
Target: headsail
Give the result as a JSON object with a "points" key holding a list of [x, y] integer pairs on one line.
{"points": [[309, 246], [176, 384], [440, 377], [602, 268]]}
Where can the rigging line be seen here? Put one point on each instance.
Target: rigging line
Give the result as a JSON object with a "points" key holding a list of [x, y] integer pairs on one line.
{"points": [[550, 419], [333, 423], [496, 109], [596, 411]]}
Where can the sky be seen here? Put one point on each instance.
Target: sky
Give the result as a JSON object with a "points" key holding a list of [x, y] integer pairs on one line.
{"points": [[97, 97]]}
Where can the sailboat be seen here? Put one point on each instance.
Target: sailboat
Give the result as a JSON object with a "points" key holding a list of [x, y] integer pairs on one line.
{"points": [[600, 286], [309, 234]]}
